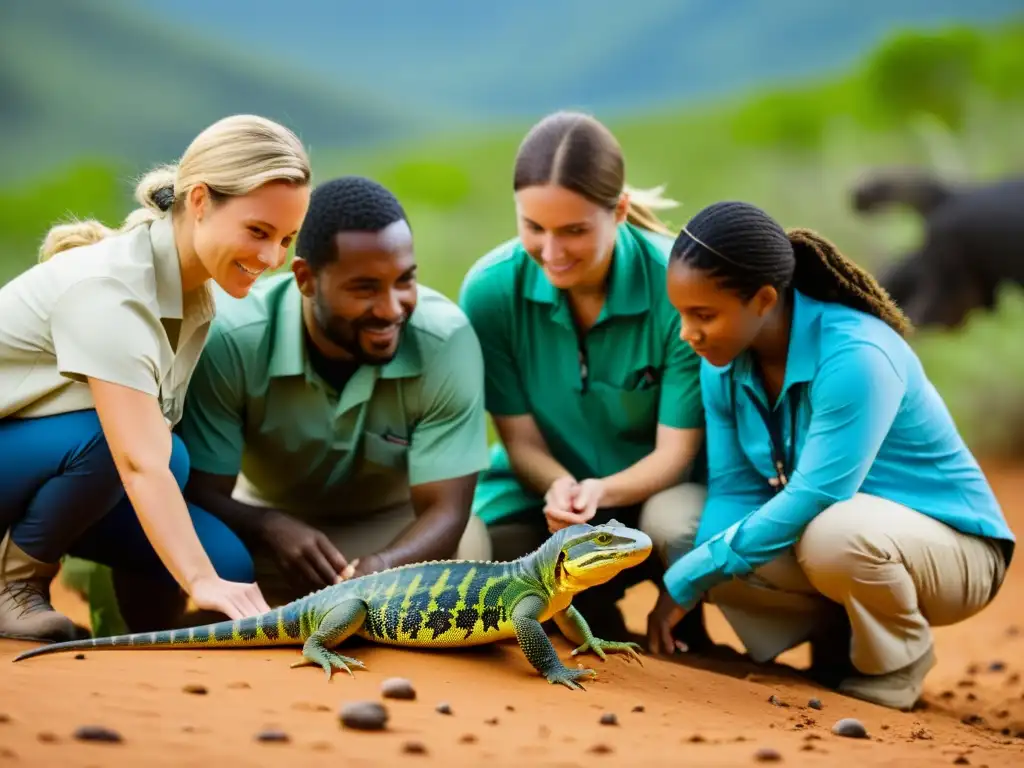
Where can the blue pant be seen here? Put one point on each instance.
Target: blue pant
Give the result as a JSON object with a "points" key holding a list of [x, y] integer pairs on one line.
{"points": [[60, 494]]}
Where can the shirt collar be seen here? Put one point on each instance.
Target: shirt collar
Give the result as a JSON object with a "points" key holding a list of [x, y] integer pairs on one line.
{"points": [[628, 284], [167, 266], [288, 351], [804, 346]]}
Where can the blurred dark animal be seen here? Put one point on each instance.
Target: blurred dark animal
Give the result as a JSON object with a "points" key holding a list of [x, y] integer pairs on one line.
{"points": [[973, 243]]}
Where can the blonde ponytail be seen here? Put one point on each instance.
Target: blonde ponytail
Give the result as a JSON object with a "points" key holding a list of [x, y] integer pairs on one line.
{"points": [[642, 206], [232, 157]]}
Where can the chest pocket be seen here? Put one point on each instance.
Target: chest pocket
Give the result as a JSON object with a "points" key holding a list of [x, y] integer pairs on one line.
{"points": [[383, 455], [629, 412]]}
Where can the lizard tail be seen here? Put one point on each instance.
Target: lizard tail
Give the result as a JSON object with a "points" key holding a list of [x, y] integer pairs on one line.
{"points": [[281, 626]]}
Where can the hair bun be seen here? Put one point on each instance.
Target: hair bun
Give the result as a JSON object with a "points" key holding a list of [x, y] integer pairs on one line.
{"points": [[164, 198]]}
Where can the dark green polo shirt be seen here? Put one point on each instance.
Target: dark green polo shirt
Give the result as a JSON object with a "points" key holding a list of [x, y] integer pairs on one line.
{"points": [[639, 372]]}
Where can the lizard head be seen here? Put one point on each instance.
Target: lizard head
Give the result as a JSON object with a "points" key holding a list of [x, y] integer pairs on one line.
{"points": [[588, 555]]}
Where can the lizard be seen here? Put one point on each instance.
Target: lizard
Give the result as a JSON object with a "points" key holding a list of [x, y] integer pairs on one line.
{"points": [[440, 604]]}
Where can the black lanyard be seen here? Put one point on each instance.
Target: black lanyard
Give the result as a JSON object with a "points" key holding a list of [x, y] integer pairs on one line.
{"points": [[784, 465]]}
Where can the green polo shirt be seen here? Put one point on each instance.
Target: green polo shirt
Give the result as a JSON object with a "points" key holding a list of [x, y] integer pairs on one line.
{"points": [[256, 406], [639, 373]]}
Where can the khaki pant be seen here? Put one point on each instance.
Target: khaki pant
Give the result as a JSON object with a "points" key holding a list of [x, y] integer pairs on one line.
{"points": [[354, 537], [896, 572], [670, 518]]}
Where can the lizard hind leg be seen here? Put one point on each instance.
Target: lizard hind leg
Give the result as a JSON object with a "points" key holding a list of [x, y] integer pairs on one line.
{"points": [[338, 624]]}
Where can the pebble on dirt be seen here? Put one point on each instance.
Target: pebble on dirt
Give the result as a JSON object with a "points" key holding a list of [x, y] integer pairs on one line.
{"points": [[814, 704], [961, 760], [851, 728], [272, 735], [4, 717], [97, 733], [997, 666], [414, 748], [609, 718], [444, 708], [47, 737], [773, 699], [638, 708], [364, 715], [198, 690], [79, 656], [600, 749], [397, 688], [767, 755]]}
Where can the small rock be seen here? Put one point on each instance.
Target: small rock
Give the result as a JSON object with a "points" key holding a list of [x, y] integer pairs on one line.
{"points": [[767, 755], [775, 700], [397, 688], [1013, 678], [273, 735], [364, 716], [609, 718], [638, 708], [1005, 731], [921, 734], [196, 688], [965, 683], [971, 719], [697, 739], [97, 733], [444, 708], [491, 721], [812, 737], [1012, 631], [815, 704], [79, 656], [947, 695], [972, 669], [4, 717], [509, 708], [47, 737], [467, 738], [806, 747], [851, 728], [414, 748], [1003, 713], [997, 666], [601, 749], [239, 685], [885, 726], [961, 760]]}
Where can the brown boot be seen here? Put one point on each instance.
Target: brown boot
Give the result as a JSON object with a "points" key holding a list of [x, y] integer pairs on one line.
{"points": [[25, 610], [899, 690]]}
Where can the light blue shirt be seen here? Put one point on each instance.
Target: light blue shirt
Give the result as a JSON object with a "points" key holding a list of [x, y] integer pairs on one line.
{"points": [[868, 420]]}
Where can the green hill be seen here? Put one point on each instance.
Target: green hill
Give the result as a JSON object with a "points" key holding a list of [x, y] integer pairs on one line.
{"points": [[103, 79], [952, 101]]}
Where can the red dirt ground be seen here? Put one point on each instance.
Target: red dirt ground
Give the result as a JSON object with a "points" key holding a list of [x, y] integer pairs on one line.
{"points": [[503, 714]]}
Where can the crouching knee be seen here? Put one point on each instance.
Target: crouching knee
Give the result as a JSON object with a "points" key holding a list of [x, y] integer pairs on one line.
{"points": [[671, 518], [475, 543]]}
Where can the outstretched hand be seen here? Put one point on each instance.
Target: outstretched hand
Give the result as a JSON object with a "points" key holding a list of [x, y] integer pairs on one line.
{"points": [[660, 622]]}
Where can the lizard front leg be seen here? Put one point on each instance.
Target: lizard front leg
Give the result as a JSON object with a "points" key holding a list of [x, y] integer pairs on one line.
{"points": [[572, 624], [338, 623], [538, 648]]}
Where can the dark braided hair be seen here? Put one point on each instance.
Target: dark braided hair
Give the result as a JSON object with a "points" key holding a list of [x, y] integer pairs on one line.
{"points": [[746, 249], [345, 204]]}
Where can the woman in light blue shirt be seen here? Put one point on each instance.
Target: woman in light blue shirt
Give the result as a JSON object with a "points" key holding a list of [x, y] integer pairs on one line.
{"points": [[843, 506]]}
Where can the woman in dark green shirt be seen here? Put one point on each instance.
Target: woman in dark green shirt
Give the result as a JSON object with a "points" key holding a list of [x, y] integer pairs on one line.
{"points": [[595, 398]]}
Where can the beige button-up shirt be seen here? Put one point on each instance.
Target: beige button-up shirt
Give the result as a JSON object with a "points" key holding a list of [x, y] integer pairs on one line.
{"points": [[114, 311]]}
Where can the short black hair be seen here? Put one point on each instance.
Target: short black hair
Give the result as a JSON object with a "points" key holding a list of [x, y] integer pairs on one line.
{"points": [[345, 204]]}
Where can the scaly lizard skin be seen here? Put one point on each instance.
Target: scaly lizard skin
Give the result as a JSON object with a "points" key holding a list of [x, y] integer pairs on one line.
{"points": [[441, 604]]}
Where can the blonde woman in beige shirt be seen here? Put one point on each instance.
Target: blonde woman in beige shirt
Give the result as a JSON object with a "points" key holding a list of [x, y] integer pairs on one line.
{"points": [[97, 346]]}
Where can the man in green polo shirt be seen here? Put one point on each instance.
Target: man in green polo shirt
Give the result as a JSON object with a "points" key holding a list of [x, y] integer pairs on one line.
{"points": [[335, 421]]}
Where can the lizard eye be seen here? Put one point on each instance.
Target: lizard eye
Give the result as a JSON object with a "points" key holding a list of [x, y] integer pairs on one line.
{"points": [[604, 538]]}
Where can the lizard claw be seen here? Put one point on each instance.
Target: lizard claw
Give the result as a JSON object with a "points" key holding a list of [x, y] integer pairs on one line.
{"points": [[570, 677], [600, 647], [329, 661]]}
